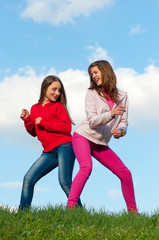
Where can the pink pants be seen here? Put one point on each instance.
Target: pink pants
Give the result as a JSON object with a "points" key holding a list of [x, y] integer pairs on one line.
{"points": [[83, 149]]}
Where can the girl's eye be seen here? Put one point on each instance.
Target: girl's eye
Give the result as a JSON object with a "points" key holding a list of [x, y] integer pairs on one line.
{"points": [[54, 89]]}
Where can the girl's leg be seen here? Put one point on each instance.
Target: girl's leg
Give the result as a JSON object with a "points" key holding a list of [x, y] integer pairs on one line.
{"points": [[110, 160], [43, 165], [82, 151], [66, 159]]}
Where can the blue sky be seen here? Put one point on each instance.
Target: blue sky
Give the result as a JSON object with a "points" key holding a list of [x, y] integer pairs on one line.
{"points": [[63, 37]]}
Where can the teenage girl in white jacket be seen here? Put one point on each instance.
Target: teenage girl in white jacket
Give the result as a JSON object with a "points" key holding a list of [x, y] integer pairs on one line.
{"points": [[106, 110]]}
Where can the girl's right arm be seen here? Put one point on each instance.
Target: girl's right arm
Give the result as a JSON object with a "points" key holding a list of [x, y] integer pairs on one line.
{"points": [[28, 122]]}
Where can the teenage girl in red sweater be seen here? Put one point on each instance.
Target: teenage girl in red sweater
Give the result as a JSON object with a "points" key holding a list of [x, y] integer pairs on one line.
{"points": [[50, 121]]}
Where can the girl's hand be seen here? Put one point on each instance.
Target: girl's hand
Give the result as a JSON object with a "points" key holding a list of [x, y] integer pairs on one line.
{"points": [[24, 114], [116, 133], [37, 120], [117, 111]]}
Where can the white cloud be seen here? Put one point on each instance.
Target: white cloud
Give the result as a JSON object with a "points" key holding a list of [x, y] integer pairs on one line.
{"points": [[18, 185], [137, 29], [114, 194], [76, 83], [61, 11], [4, 71], [143, 95], [18, 91], [41, 189], [22, 89], [98, 53]]}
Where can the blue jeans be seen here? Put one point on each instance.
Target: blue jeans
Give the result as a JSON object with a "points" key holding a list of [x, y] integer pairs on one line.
{"points": [[61, 156]]}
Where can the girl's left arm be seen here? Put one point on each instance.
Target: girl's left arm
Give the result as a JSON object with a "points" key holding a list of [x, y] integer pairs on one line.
{"points": [[60, 125]]}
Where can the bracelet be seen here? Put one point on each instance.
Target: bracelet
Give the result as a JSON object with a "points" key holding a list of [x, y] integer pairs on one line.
{"points": [[122, 132]]}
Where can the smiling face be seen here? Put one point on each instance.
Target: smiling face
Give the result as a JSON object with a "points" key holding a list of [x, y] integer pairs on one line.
{"points": [[53, 92], [96, 75]]}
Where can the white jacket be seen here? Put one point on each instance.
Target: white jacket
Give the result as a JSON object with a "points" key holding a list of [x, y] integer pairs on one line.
{"points": [[99, 123]]}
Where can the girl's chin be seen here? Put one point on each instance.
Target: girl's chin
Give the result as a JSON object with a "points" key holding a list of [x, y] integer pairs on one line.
{"points": [[99, 85]]}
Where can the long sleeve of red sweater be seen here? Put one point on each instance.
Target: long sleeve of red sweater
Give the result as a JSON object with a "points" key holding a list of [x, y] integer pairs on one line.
{"points": [[29, 126]]}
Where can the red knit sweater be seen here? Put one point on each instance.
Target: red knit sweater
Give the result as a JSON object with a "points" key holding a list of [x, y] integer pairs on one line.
{"points": [[55, 127]]}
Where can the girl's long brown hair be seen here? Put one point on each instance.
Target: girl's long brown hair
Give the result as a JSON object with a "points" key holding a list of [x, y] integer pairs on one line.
{"points": [[109, 80], [62, 98]]}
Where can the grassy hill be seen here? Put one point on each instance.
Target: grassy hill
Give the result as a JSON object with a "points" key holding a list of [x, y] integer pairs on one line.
{"points": [[57, 222]]}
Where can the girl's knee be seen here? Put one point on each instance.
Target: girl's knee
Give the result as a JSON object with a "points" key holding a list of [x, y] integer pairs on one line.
{"points": [[124, 174], [127, 176], [64, 183], [28, 179]]}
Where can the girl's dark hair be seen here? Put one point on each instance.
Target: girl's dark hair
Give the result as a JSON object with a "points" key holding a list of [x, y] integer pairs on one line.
{"points": [[62, 98], [109, 80]]}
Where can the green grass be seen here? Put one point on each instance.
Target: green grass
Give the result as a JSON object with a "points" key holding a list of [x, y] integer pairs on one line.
{"points": [[61, 223]]}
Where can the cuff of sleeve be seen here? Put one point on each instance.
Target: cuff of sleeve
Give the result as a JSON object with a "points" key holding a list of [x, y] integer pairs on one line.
{"points": [[27, 119]]}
